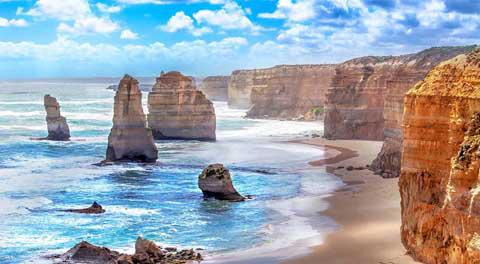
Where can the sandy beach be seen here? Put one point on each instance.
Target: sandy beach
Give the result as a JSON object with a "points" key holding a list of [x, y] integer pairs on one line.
{"points": [[367, 209]]}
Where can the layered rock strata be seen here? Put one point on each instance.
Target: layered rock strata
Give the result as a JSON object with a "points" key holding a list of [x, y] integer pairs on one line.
{"points": [[355, 101], [130, 139], [439, 181], [405, 76], [57, 126], [215, 182], [290, 91], [178, 111], [215, 87]]}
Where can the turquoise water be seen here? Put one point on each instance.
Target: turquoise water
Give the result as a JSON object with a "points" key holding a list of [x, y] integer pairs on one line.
{"points": [[160, 202]]}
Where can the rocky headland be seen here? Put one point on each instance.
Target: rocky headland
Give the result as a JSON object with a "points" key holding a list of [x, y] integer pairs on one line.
{"points": [[178, 111], [215, 182], [355, 102], [130, 139], [290, 91], [405, 77], [57, 126], [146, 252], [215, 87], [439, 180]]}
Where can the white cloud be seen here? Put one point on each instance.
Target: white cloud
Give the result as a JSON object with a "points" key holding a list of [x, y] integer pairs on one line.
{"points": [[231, 16], [108, 9], [180, 21], [12, 22], [77, 12], [301, 10], [62, 10], [128, 34], [138, 2]]}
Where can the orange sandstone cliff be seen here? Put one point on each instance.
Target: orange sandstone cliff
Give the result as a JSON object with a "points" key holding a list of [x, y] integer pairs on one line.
{"points": [[215, 87], [290, 91], [356, 103], [439, 181], [405, 77]]}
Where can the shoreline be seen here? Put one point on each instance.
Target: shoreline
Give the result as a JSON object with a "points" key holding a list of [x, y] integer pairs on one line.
{"points": [[367, 209]]}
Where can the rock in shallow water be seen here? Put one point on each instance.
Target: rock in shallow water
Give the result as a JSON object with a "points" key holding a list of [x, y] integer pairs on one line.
{"points": [[130, 139], [146, 252], [57, 126], [95, 208], [215, 182]]}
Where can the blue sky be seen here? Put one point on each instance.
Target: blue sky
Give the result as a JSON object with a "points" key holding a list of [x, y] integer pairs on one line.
{"points": [[80, 38]]}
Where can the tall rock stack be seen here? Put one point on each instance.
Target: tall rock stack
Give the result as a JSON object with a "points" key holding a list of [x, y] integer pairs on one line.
{"points": [[289, 91], [56, 124], [439, 181], [405, 77], [130, 139], [178, 111], [215, 87]]}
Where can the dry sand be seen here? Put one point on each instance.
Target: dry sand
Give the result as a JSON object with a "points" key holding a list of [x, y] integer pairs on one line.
{"points": [[367, 210]]}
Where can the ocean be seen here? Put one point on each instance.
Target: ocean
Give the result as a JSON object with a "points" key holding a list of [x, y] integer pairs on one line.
{"points": [[159, 202]]}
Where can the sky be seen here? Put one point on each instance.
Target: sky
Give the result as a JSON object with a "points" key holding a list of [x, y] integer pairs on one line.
{"points": [[93, 38]]}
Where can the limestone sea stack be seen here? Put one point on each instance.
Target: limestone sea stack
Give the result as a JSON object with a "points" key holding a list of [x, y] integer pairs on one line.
{"points": [[290, 91], [355, 102], [215, 87], [215, 182], [405, 77], [178, 111], [130, 139], [57, 126], [439, 181]]}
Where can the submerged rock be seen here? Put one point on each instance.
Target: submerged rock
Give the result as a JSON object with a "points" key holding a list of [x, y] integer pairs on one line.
{"points": [[178, 111], [95, 208], [146, 252], [215, 182], [130, 139], [57, 126]]}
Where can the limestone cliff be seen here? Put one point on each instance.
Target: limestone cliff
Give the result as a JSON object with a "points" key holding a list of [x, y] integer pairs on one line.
{"points": [[439, 179], [130, 139], [215, 87], [355, 102], [57, 126], [240, 87], [178, 111], [290, 91], [405, 77]]}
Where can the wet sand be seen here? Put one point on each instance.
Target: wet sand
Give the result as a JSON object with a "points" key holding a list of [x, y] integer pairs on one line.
{"points": [[367, 209]]}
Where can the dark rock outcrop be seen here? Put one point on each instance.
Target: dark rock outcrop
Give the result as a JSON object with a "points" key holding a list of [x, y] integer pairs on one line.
{"points": [[215, 182], [215, 87], [178, 111], [290, 92], [146, 252], [130, 139], [95, 208], [439, 181], [356, 99], [57, 126]]}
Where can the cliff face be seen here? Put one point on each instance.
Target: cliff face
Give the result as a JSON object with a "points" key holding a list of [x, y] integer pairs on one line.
{"points": [[366, 96], [439, 179], [178, 111], [405, 77], [290, 91], [130, 139], [57, 126], [240, 87], [215, 87]]}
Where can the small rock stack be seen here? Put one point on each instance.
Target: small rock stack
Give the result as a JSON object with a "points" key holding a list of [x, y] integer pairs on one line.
{"points": [[130, 139], [56, 124], [178, 111], [215, 182]]}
